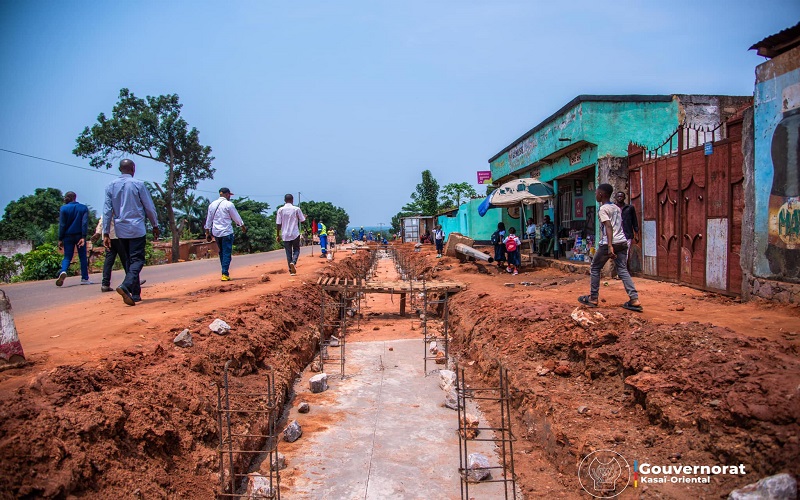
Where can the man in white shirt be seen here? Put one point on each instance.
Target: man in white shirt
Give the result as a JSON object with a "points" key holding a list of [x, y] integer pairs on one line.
{"points": [[221, 214], [288, 221]]}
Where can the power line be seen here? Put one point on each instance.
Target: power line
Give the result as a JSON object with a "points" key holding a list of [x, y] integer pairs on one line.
{"points": [[97, 171]]}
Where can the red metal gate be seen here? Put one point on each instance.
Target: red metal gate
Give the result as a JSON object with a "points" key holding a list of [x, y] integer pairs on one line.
{"points": [[690, 194]]}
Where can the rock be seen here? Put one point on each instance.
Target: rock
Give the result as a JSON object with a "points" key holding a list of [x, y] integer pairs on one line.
{"points": [[451, 400], [549, 364], [376, 328], [440, 359], [542, 371], [477, 468], [303, 408], [258, 486], [679, 308], [391, 348], [585, 318], [219, 327], [184, 339], [778, 487], [510, 285], [318, 383], [316, 365], [265, 278], [447, 380], [714, 403], [469, 426], [562, 370], [433, 347], [583, 410], [333, 341], [278, 461], [292, 432]]}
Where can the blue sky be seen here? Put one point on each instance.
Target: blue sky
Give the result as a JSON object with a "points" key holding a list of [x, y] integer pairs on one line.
{"points": [[348, 101]]}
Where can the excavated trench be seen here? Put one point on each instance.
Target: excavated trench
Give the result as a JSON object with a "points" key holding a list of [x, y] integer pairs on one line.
{"points": [[144, 422]]}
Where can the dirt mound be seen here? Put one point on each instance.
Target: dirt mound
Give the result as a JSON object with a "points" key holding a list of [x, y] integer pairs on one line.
{"points": [[694, 391], [145, 418]]}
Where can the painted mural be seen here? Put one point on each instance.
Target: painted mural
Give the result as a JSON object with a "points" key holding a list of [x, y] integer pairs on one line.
{"points": [[777, 171]]}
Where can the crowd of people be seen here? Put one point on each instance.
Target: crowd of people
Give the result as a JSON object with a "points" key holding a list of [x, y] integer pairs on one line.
{"points": [[127, 204]]}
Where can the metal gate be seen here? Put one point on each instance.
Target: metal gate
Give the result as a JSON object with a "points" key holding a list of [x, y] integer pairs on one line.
{"points": [[691, 197]]}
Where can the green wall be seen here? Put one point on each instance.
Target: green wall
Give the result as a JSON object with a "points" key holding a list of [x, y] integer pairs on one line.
{"points": [[469, 223], [607, 127]]}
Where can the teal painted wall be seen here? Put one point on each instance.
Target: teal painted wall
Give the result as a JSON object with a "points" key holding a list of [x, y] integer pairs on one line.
{"points": [[609, 126], [470, 224]]}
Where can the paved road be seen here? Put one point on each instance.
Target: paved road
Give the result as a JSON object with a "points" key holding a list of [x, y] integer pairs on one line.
{"points": [[36, 295]]}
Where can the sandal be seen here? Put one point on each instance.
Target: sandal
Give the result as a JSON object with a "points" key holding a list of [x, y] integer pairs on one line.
{"points": [[587, 301], [631, 307]]}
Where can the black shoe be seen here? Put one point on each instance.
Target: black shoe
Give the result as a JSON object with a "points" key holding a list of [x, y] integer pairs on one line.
{"points": [[142, 282], [126, 295], [106, 288], [137, 298]]}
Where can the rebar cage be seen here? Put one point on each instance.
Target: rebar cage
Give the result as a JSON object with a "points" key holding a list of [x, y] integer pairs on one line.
{"points": [[247, 436], [502, 436]]}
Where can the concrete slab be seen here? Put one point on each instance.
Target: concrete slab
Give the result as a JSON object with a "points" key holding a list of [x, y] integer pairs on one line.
{"points": [[380, 433]]}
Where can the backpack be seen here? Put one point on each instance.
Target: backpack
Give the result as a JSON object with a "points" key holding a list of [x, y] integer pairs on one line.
{"points": [[511, 244]]}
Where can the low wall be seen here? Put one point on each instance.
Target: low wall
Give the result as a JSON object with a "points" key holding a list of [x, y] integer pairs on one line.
{"points": [[776, 291]]}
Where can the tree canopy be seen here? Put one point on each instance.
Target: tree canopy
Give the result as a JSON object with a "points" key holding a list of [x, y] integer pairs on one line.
{"points": [[333, 216], [260, 236], [151, 128], [455, 192], [30, 217], [425, 199]]}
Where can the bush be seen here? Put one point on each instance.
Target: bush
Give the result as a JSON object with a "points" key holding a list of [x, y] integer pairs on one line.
{"points": [[42, 263], [9, 267]]}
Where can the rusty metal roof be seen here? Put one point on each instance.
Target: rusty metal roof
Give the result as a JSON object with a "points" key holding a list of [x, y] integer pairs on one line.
{"points": [[778, 43]]}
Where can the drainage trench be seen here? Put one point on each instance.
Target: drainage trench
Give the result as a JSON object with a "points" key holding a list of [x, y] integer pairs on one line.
{"points": [[381, 428]]}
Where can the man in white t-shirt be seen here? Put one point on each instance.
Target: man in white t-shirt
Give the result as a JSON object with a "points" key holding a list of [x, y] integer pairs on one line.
{"points": [[288, 222], [219, 224], [611, 231]]}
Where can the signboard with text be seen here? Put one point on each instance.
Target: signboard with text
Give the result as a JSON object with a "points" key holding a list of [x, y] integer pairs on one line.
{"points": [[484, 176]]}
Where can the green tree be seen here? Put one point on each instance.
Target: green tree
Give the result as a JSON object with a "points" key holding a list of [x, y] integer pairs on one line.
{"points": [[260, 236], [9, 267], [192, 214], [426, 197], [151, 128], [31, 216], [334, 217], [455, 192]]}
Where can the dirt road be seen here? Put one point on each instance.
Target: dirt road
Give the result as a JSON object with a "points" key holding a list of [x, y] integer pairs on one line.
{"points": [[696, 376]]}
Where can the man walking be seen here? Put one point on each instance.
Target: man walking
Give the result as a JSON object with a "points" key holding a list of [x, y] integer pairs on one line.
{"points": [[73, 222], [221, 214], [630, 222], [129, 203], [288, 221], [323, 239], [110, 255]]}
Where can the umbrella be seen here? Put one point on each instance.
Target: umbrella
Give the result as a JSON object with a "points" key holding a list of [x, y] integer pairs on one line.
{"points": [[517, 192]]}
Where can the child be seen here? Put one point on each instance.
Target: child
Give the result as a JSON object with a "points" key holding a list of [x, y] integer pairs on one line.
{"points": [[512, 244], [438, 236], [499, 248], [611, 232]]}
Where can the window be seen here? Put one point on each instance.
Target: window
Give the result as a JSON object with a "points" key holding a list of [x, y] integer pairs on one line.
{"points": [[565, 207]]}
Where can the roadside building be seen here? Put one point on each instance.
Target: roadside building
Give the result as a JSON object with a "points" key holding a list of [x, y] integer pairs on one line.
{"points": [[771, 236], [588, 142]]}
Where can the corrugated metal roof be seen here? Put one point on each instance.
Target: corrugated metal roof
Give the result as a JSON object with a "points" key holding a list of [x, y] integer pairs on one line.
{"points": [[779, 42]]}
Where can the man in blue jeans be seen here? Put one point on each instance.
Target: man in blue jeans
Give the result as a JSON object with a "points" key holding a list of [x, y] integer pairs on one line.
{"points": [[221, 214], [128, 202], [73, 222]]}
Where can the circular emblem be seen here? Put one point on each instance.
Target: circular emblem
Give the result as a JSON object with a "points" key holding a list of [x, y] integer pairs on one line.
{"points": [[604, 474]]}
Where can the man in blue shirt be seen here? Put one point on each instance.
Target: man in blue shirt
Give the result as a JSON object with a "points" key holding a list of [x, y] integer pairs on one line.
{"points": [[73, 222], [128, 201]]}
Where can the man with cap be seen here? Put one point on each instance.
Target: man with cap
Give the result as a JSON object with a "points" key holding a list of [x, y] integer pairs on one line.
{"points": [[128, 201], [221, 214], [287, 220]]}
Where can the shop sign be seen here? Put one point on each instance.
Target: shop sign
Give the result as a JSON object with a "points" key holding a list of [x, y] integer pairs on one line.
{"points": [[484, 176], [578, 208]]}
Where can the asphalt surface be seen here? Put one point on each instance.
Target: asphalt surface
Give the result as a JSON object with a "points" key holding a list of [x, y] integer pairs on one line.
{"points": [[38, 295]]}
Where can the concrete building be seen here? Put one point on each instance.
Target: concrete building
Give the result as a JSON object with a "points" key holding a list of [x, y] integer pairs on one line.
{"points": [[770, 256]]}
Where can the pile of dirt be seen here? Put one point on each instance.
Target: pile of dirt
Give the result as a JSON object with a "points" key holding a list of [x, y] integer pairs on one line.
{"points": [[687, 393], [145, 418]]}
